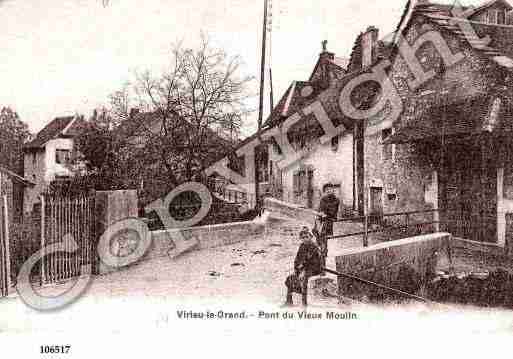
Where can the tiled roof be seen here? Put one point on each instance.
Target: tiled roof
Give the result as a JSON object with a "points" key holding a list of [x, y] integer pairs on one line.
{"points": [[473, 11], [499, 50], [151, 121], [295, 98], [340, 62], [60, 126], [278, 110], [483, 113], [15, 177]]}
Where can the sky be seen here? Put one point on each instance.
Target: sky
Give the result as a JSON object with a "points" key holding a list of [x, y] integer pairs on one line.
{"points": [[61, 57]]}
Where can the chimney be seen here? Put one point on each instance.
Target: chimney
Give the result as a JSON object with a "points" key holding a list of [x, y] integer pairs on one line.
{"points": [[321, 73], [369, 46], [325, 54]]}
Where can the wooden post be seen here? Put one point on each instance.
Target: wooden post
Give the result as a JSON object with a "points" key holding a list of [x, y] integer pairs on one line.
{"points": [[43, 274], [7, 244]]}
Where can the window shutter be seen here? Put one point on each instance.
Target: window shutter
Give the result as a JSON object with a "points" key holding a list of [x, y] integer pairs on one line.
{"points": [[295, 182], [492, 17], [509, 18], [501, 17]]}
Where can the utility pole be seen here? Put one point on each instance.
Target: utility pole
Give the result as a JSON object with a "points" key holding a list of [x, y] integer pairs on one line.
{"points": [[271, 95], [261, 104]]}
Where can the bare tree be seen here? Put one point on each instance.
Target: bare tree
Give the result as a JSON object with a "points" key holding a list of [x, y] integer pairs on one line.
{"points": [[197, 106]]}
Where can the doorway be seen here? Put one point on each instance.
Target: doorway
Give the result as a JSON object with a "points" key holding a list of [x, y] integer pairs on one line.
{"points": [[469, 193]]}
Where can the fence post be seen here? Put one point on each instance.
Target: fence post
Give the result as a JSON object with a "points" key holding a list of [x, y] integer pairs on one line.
{"points": [[366, 229], [407, 222], [7, 255], [43, 274]]}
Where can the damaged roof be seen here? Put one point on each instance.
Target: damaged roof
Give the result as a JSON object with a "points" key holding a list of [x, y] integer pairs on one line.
{"points": [[500, 47], [295, 98]]}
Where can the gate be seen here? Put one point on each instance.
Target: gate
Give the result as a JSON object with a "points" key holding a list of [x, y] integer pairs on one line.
{"points": [[62, 219], [5, 262]]}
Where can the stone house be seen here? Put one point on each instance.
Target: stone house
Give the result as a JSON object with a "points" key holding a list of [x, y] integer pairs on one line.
{"points": [[450, 147], [299, 182], [339, 159], [47, 156], [331, 162], [440, 140]]}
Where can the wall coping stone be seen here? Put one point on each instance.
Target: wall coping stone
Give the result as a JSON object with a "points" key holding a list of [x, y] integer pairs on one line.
{"points": [[396, 243]]}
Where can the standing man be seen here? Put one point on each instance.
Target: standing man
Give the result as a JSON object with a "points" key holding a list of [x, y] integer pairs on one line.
{"points": [[329, 208]]}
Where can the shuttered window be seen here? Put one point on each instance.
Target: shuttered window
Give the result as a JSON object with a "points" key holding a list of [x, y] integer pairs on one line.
{"points": [[300, 182], [387, 148]]}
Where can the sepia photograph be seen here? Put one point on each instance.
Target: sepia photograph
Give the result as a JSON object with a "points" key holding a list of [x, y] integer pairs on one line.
{"points": [[248, 178]]}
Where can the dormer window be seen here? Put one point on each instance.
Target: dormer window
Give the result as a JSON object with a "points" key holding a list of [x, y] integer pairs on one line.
{"points": [[509, 17], [496, 17], [501, 17], [62, 157]]}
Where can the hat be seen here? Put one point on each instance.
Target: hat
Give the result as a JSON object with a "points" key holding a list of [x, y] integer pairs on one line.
{"points": [[327, 185], [305, 232]]}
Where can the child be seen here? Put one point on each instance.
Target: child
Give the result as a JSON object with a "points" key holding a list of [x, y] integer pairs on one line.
{"points": [[308, 263]]}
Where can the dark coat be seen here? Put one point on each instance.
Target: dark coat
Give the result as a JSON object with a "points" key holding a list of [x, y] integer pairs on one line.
{"points": [[308, 259], [329, 206]]}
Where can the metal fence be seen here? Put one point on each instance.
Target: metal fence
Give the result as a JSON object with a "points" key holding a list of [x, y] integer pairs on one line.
{"points": [[393, 225], [63, 220]]}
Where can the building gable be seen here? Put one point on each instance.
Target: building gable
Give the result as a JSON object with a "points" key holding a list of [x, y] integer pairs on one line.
{"points": [[493, 12], [69, 126], [458, 99]]}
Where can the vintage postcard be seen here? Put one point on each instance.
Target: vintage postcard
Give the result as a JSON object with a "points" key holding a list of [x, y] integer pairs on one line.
{"points": [[248, 178]]}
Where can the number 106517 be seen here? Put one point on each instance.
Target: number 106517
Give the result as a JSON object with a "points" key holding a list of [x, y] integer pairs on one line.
{"points": [[55, 349]]}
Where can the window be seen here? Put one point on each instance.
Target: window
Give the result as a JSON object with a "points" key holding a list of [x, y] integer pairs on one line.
{"points": [[263, 173], [62, 178], [501, 17], [334, 143], [492, 17], [300, 182], [275, 146], [387, 148], [496, 17], [62, 157], [508, 17]]}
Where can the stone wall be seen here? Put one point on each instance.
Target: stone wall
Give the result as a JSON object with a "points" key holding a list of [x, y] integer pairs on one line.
{"points": [[382, 263], [113, 206], [205, 237], [279, 219], [281, 210]]}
